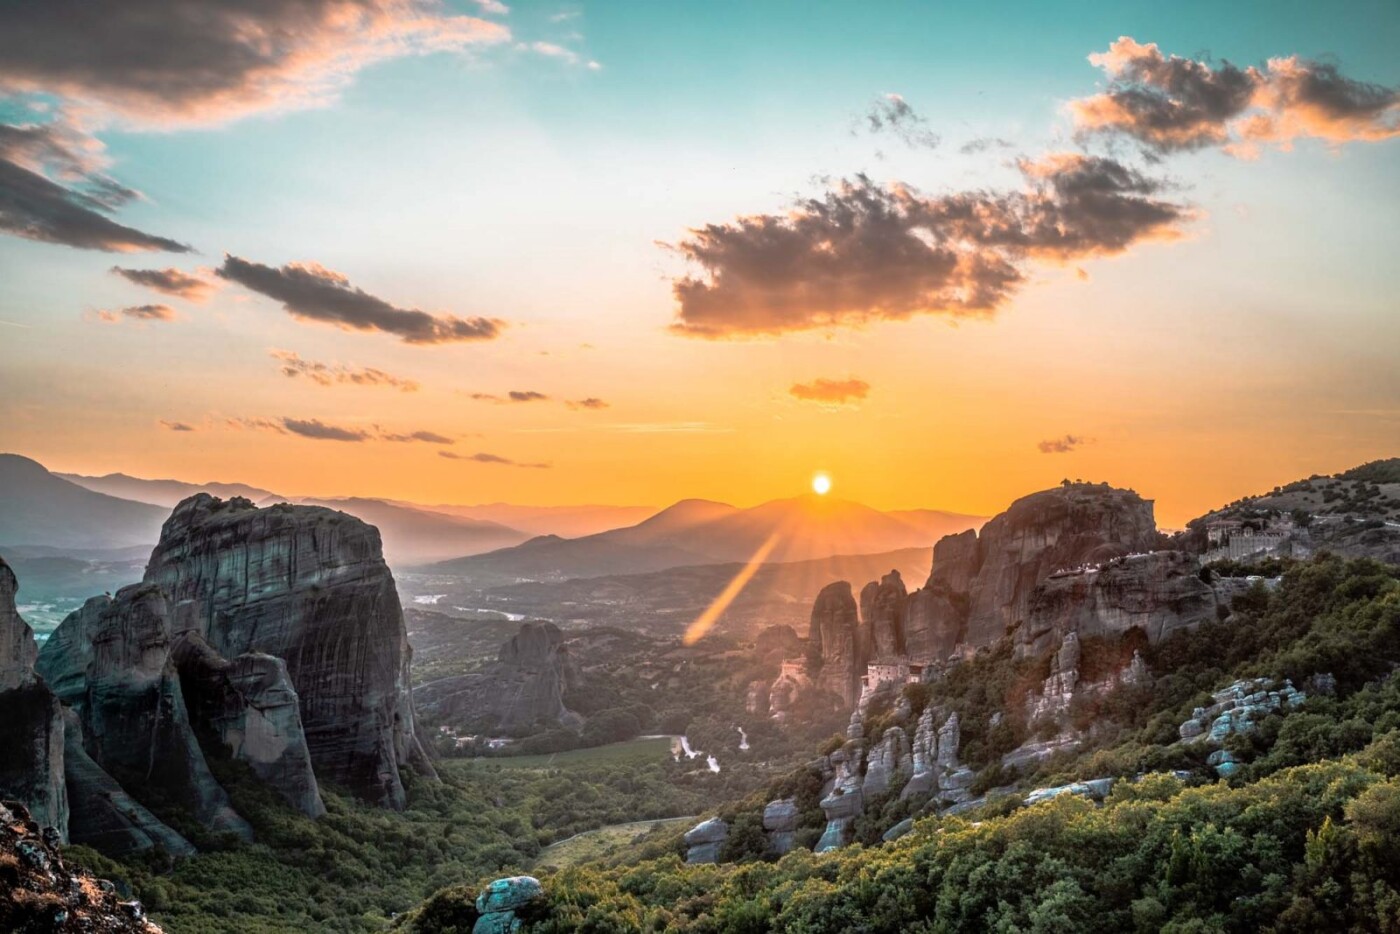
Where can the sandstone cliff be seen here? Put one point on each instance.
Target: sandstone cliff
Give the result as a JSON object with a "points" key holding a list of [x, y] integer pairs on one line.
{"points": [[308, 585], [31, 724], [833, 640]]}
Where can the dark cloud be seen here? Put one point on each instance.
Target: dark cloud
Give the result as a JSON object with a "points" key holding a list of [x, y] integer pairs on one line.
{"points": [[1062, 445], [156, 63], [311, 291], [139, 313], [168, 281], [1169, 103], [51, 190], [831, 391], [481, 457], [330, 374], [515, 395], [175, 426], [865, 252], [428, 437], [590, 403], [984, 143], [893, 114], [320, 431]]}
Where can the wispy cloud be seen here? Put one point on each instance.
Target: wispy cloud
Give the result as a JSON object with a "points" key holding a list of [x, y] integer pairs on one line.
{"points": [[892, 114], [176, 426], [590, 403], [482, 457], [312, 292], [515, 395], [139, 313], [318, 430], [169, 282], [831, 391], [1063, 445], [331, 374]]}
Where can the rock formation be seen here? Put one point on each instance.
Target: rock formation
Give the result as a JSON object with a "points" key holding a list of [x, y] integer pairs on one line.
{"points": [[845, 800], [833, 639], [500, 902], [134, 716], [523, 689], [780, 819], [310, 586], [248, 705], [39, 891], [31, 721], [882, 611], [1158, 593], [704, 841], [888, 764]]}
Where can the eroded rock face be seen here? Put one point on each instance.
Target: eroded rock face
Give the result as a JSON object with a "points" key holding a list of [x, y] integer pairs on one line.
{"points": [[249, 706], [136, 723], [888, 764], [780, 819], [883, 607], [524, 688], [64, 660], [1158, 593], [499, 902], [834, 628], [31, 723], [308, 585]]}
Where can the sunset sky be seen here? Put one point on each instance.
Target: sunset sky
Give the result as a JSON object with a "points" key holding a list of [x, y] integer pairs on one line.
{"points": [[633, 252]]}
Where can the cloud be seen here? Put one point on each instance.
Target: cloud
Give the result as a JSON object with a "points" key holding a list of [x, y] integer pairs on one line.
{"points": [[1169, 103], [590, 403], [831, 391], [175, 426], [561, 53], [428, 437], [52, 190], [481, 457], [151, 63], [515, 395], [316, 429], [330, 374], [492, 7], [1062, 445], [312, 292], [865, 252], [893, 114], [139, 313], [168, 281], [984, 143]]}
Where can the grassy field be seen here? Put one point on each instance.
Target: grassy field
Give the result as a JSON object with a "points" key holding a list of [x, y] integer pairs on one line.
{"points": [[595, 844], [652, 748]]}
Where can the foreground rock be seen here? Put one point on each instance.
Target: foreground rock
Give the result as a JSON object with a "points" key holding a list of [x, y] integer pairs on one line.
{"points": [[31, 720], [502, 902], [39, 892], [704, 841], [309, 586]]}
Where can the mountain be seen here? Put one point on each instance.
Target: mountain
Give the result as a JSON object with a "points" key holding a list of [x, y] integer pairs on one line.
{"points": [[564, 521], [697, 531], [165, 493], [414, 536], [38, 508]]}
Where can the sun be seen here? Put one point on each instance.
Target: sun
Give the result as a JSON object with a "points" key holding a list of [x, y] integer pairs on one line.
{"points": [[821, 484]]}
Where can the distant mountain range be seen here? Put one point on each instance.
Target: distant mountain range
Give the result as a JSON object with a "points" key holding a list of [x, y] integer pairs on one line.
{"points": [[564, 521], [165, 493], [38, 508], [695, 532]]}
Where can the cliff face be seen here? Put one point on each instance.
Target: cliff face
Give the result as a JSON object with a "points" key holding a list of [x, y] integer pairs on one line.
{"points": [[523, 689], [309, 586], [31, 723]]}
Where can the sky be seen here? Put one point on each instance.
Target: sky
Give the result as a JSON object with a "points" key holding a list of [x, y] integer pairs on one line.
{"points": [[553, 252]]}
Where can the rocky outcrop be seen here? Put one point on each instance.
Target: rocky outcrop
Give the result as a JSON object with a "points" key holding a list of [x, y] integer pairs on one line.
{"points": [[882, 611], [135, 719], [104, 816], [1237, 707], [39, 891], [780, 819], [833, 634], [308, 585], [522, 690], [704, 841], [64, 661], [31, 721], [501, 901], [1157, 593], [845, 800], [249, 706], [889, 763]]}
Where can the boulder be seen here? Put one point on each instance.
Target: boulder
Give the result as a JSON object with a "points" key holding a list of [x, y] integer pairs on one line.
{"points": [[780, 819], [898, 830], [704, 841], [308, 585], [499, 902], [31, 720]]}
